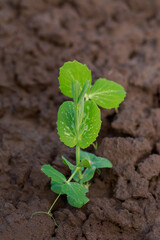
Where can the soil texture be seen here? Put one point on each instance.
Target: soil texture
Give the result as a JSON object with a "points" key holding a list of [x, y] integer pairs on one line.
{"points": [[119, 40]]}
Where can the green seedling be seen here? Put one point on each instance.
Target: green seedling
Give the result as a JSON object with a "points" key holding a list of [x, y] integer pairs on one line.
{"points": [[78, 125]]}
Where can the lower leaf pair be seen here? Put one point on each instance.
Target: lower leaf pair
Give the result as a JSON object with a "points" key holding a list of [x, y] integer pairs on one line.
{"points": [[76, 191]]}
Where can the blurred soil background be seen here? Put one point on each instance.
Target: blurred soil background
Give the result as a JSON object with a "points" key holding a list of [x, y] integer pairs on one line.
{"points": [[119, 40]]}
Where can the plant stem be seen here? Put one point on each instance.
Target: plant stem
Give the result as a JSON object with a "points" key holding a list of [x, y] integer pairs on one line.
{"points": [[39, 212], [78, 160], [42, 212], [73, 175], [54, 203], [77, 155]]}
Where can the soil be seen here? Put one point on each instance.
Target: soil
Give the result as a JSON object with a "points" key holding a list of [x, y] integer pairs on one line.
{"points": [[119, 40]]}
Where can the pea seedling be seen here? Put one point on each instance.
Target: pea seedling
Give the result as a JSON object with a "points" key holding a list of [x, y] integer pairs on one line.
{"points": [[78, 125]]}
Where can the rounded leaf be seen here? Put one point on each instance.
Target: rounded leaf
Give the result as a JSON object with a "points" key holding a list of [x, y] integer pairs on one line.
{"points": [[66, 124], [76, 203], [75, 190], [107, 94], [73, 71], [90, 125]]}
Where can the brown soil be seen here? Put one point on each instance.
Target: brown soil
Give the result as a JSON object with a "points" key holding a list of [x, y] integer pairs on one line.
{"points": [[117, 39]]}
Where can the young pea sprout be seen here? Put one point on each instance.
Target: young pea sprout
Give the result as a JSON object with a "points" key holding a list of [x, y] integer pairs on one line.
{"points": [[78, 125]]}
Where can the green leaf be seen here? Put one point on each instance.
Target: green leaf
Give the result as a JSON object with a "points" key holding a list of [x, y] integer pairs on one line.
{"points": [[66, 124], [66, 162], [56, 187], [85, 163], [100, 162], [83, 92], [88, 174], [86, 187], [90, 125], [76, 203], [75, 191], [76, 88], [86, 155], [53, 173], [95, 161], [107, 94], [80, 103], [80, 111], [73, 71]]}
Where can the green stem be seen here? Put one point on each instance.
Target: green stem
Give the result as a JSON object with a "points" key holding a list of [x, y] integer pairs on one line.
{"points": [[54, 203], [77, 155], [39, 212], [42, 212], [73, 175], [78, 160]]}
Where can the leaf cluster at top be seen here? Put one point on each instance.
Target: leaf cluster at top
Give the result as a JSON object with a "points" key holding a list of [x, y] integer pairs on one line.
{"points": [[74, 79], [105, 93]]}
